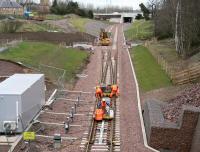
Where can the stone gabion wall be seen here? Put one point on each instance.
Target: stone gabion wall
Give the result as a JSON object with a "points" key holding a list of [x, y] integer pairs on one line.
{"points": [[162, 134]]}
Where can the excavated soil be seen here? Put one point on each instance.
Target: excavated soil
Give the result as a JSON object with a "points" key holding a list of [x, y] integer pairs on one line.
{"points": [[8, 68], [67, 38]]}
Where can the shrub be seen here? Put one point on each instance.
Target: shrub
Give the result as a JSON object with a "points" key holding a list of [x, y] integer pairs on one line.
{"points": [[8, 26]]}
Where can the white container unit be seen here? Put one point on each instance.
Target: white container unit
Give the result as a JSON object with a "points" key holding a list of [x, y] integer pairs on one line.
{"points": [[21, 98]]}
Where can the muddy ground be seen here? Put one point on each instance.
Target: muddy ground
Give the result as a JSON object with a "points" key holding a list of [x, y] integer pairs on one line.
{"points": [[8, 68], [67, 38]]}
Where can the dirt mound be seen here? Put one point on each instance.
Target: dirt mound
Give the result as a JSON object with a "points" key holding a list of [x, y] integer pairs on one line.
{"points": [[8, 68], [63, 24], [190, 96], [67, 38]]}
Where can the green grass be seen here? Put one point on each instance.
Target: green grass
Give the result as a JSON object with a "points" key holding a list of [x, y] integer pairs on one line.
{"points": [[140, 30], [37, 27], [149, 73], [79, 23], [35, 53], [32, 27]]}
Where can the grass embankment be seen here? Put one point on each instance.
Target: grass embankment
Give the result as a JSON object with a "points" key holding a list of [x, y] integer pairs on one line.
{"points": [[35, 53], [140, 30], [149, 74], [37, 27], [79, 23]]}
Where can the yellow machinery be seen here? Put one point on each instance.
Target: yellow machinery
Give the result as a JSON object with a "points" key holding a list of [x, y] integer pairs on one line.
{"points": [[104, 39]]}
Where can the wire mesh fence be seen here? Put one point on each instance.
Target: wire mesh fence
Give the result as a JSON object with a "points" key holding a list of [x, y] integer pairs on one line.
{"points": [[57, 75], [52, 74]]}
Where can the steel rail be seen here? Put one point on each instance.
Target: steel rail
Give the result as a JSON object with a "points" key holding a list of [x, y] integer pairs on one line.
{"points": [[93, 127]]}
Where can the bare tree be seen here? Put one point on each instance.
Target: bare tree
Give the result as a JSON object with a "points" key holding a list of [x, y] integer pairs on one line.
{"points": [[179, 19]]}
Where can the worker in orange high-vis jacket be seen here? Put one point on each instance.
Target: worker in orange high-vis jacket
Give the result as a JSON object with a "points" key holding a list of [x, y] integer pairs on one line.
{"points": [[114, 91], [99, 92]]}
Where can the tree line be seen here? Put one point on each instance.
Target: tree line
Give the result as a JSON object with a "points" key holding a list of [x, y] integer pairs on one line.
{"points": [[178, 19], [69, 7]]}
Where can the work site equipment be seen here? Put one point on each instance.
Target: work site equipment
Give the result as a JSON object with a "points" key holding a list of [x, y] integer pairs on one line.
{"points": [[104, 38], [21, 98], [29, 14], [104, 109]]}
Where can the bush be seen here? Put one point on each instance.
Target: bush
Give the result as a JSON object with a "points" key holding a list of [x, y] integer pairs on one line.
{"points": [[139, 17], [90, 14], [10, 26], [80, 12], [64, 8]]}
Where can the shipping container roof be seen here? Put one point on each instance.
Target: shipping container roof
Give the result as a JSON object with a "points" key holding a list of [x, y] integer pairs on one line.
{"points": [[9, 4], [17, 84]]}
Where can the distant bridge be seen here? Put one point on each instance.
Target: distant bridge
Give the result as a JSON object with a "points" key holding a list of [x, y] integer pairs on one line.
{"points": [[117, 17]]}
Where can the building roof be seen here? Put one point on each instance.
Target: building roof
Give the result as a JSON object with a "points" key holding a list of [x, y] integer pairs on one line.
{"points": [[17, 84], [9, 4]]}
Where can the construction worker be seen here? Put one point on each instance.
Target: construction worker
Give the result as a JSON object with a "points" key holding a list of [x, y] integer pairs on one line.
{"points": [[103, 105], [98, 114], [114, 91], [99, 92]]}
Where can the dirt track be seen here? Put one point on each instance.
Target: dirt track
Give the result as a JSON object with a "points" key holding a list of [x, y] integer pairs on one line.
{"points": [[131, 132]]}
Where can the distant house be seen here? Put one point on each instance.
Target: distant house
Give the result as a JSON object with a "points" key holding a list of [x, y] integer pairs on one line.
{"points": [[8, 7]]}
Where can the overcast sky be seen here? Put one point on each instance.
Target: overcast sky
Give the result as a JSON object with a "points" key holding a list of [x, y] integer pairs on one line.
{"points": [[101, 3], [131, 3]]}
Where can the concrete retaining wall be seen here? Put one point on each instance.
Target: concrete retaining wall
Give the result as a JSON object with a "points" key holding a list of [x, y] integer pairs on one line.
{"points": [[165, 135]]}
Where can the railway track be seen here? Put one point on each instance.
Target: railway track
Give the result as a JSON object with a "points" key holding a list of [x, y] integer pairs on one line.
{"points": [[105, 135]]}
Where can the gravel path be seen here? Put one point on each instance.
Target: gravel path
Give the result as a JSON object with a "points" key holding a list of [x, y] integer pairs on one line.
{"points": [[63, 24], [94, 27], [131, 132]]}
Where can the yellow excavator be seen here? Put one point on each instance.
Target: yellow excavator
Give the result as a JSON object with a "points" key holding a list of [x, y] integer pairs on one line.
{"points": [[104, 38]]}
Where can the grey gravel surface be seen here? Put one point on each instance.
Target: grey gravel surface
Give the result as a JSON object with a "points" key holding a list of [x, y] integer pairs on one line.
{"points": [[190, 96], [94, 27], [63, 24]]}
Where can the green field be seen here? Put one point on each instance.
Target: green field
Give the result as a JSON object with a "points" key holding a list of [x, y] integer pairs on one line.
{"points": [[140, 30], [37, 27], [149, 73], [79, 23], [35, 53]]}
